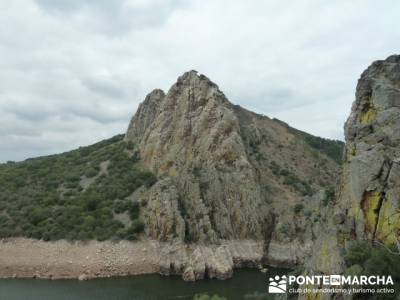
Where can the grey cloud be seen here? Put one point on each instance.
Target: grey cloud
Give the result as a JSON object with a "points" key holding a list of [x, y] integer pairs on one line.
{"points": [[28, 111], [104, 87], [271, 99], [73, 71], [60, 5], [97, 114], [114, 17]]}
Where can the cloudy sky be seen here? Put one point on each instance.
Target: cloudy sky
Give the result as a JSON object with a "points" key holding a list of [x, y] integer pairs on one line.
{"points": [[73, 72]]}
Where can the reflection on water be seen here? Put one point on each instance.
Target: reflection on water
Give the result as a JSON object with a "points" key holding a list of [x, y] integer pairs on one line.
{"points": [[244, 285]]}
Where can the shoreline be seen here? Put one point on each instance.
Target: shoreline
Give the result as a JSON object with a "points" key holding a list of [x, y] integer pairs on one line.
{"points": [[29, 258]]}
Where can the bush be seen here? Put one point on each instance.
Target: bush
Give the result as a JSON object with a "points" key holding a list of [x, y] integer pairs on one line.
{"points": [[137, 226], [363, 258], [121, 206], [274, 168], [329, 196], [291, 179], [91, 172], [133, 208], [298, 208], [38, 215]]}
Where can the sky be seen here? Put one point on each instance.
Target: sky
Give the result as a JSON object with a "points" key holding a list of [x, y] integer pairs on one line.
{"points": [[72, 72]]}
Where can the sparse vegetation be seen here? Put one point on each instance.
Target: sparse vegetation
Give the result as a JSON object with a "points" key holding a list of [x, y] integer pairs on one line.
{"points": [[44, 198], [332, 148], [298, 208], [329, 196], [292, 180], [300, 185], [366, 259]]}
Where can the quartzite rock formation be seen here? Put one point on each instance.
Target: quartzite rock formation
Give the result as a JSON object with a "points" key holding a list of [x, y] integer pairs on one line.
{"points": [[368, 204], [225, 173]]}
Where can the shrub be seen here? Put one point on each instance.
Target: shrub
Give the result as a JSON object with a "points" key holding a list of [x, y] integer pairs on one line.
{"points": [[300, 185], [275, 168], [363, 258], [133, 208], [137, 226], [329, 196], [91, 172], [38, 215], [121, 206], [298, 208]]}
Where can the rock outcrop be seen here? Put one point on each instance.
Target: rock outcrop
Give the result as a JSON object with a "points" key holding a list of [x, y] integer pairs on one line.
{"points": [[21, 257], [191, 136], [225, 173], [195, 262], [372, 172], [367, 208]]}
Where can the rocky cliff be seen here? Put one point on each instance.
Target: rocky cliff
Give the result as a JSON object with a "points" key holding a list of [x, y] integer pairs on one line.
{"points": [[367, 208], [226, 173], [371, 186]]}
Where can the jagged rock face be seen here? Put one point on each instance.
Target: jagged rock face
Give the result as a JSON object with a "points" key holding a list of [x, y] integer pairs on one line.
{"points": [[197, 262], [368, 205], [217, 167], [191, 136], [372, 170]]}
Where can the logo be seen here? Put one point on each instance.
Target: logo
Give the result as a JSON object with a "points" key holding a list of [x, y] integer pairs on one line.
{"points": [[335, 280], [343, 284], [277, 285]]}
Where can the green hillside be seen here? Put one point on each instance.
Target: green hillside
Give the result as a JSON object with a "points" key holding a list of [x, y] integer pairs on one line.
{"points": [[81, 194], [332, 148]]}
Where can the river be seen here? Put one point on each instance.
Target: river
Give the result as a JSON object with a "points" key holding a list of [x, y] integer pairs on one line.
{"points": [[244, 284]]}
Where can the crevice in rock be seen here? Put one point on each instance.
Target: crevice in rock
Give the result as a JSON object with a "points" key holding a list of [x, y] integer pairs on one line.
{"points": [[382, 197], [371, 204], [269, 228], [377, 211]]}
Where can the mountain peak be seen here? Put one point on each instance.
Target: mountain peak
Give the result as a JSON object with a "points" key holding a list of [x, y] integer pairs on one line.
{"points": [[188, 75], [213, 160], [395, 58], [192, 95], [194, 79]]}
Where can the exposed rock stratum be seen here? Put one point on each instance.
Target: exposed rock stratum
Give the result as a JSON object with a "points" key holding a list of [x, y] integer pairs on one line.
{"points": [[225, 173], [367, 208]]}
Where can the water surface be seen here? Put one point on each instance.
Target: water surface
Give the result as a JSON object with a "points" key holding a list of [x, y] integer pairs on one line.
{"points": [[142, 287]]}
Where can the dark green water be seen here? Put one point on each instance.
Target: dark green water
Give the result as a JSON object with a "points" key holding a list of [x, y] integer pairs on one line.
{"points": [[143, 287]]}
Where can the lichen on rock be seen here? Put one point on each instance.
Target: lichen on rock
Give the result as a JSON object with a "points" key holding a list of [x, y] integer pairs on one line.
{"points": [[226, 173], [370, 186]]}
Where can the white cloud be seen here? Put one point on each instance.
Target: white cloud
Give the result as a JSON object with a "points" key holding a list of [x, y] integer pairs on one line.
{"points": [[73, 72]]}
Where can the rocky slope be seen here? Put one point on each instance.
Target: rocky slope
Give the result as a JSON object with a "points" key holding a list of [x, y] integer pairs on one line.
{"points": [[372, 169], [213, 185], [227, 173], [367, 208]]}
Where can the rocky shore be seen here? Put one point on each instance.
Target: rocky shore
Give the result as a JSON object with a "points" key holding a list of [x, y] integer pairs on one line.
{"points": [[28, 258]]}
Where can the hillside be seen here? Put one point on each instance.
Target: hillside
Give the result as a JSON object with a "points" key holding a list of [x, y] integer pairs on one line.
{"points": [[82, 194], [192, 168]]}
